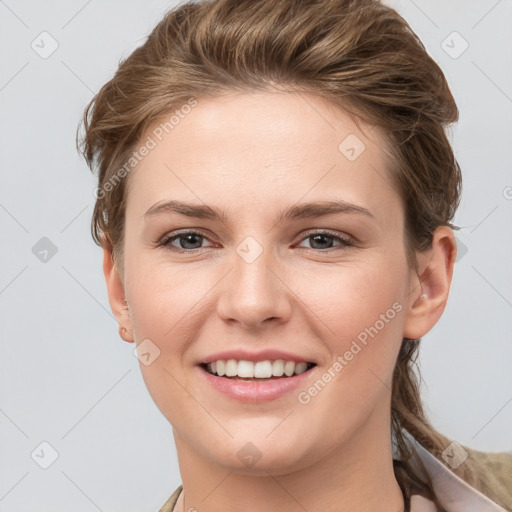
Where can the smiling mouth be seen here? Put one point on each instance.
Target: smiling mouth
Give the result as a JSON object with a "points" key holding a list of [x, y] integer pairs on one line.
{"points": [[296, 371]]}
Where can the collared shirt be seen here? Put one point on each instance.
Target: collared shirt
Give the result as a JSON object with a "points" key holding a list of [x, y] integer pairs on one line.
{"points": [[455, 494]]}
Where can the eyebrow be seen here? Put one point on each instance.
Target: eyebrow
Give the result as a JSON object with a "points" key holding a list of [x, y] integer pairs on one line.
{"points": [[298, 211]]}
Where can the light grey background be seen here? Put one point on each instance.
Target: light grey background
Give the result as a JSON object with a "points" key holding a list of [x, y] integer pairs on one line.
{"points": [[69, 380]]}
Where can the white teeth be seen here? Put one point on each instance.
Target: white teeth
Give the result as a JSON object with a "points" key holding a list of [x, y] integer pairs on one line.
{"points": [[263, 370], [231, 368], [245, 369], [289, 368], [278, 368], [221, 368], [300, 368], [260, 370]]}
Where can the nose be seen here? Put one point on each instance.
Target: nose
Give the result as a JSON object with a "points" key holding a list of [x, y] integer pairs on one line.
{"points": [[254, 294]]}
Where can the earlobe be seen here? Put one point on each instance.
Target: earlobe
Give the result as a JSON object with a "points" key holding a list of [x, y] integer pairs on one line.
{"points": [[116, 296], [430, 286]]}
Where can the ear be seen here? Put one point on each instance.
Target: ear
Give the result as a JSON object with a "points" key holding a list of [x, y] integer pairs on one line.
{"points": [[116, 296], [430, 284]]}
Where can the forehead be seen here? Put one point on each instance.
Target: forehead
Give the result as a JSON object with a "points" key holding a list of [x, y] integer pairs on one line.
{"points": [[263, 147]]}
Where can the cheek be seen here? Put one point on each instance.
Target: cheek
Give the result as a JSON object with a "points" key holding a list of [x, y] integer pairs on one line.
{"points": [[346, 301], [163, 296], [167, 308], [365, 311], [362, 314]]}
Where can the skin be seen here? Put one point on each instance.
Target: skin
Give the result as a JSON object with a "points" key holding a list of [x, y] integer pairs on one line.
{"points": [[254, 155]]}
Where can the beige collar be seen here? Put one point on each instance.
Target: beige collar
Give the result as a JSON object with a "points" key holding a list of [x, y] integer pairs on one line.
{"points": [[455, 494]]}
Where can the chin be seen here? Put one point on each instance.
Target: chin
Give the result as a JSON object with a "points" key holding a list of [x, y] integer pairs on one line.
{"points": [[259, 456]]}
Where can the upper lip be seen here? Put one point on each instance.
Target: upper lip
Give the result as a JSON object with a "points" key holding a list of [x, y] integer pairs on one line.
{"points": [[262, 355]]}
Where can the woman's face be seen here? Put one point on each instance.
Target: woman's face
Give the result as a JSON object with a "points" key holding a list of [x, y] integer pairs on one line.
{"points": [[268, 277]]}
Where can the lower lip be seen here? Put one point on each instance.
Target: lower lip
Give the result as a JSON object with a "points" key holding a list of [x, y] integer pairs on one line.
{"points": [[253, 390]]}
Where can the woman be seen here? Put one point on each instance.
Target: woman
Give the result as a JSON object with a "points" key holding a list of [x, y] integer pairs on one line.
{"points": [[274, 203]]}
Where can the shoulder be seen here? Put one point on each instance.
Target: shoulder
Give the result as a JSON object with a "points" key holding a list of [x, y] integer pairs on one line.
{"points": [[168, 506], [492, 493], [498, 474]]}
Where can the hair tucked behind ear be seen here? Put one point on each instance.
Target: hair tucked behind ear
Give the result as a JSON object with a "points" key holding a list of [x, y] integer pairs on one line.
{"points": [[359, 55]]}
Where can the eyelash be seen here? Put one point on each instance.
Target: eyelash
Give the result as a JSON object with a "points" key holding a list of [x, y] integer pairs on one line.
{"points": [[344, 241]]}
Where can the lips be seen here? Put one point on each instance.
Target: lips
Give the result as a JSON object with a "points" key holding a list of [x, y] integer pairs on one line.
{"points": [[255, 390], [262, 387]]}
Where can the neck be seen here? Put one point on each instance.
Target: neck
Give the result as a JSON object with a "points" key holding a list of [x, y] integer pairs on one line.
{"points": [[358, 476]]}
